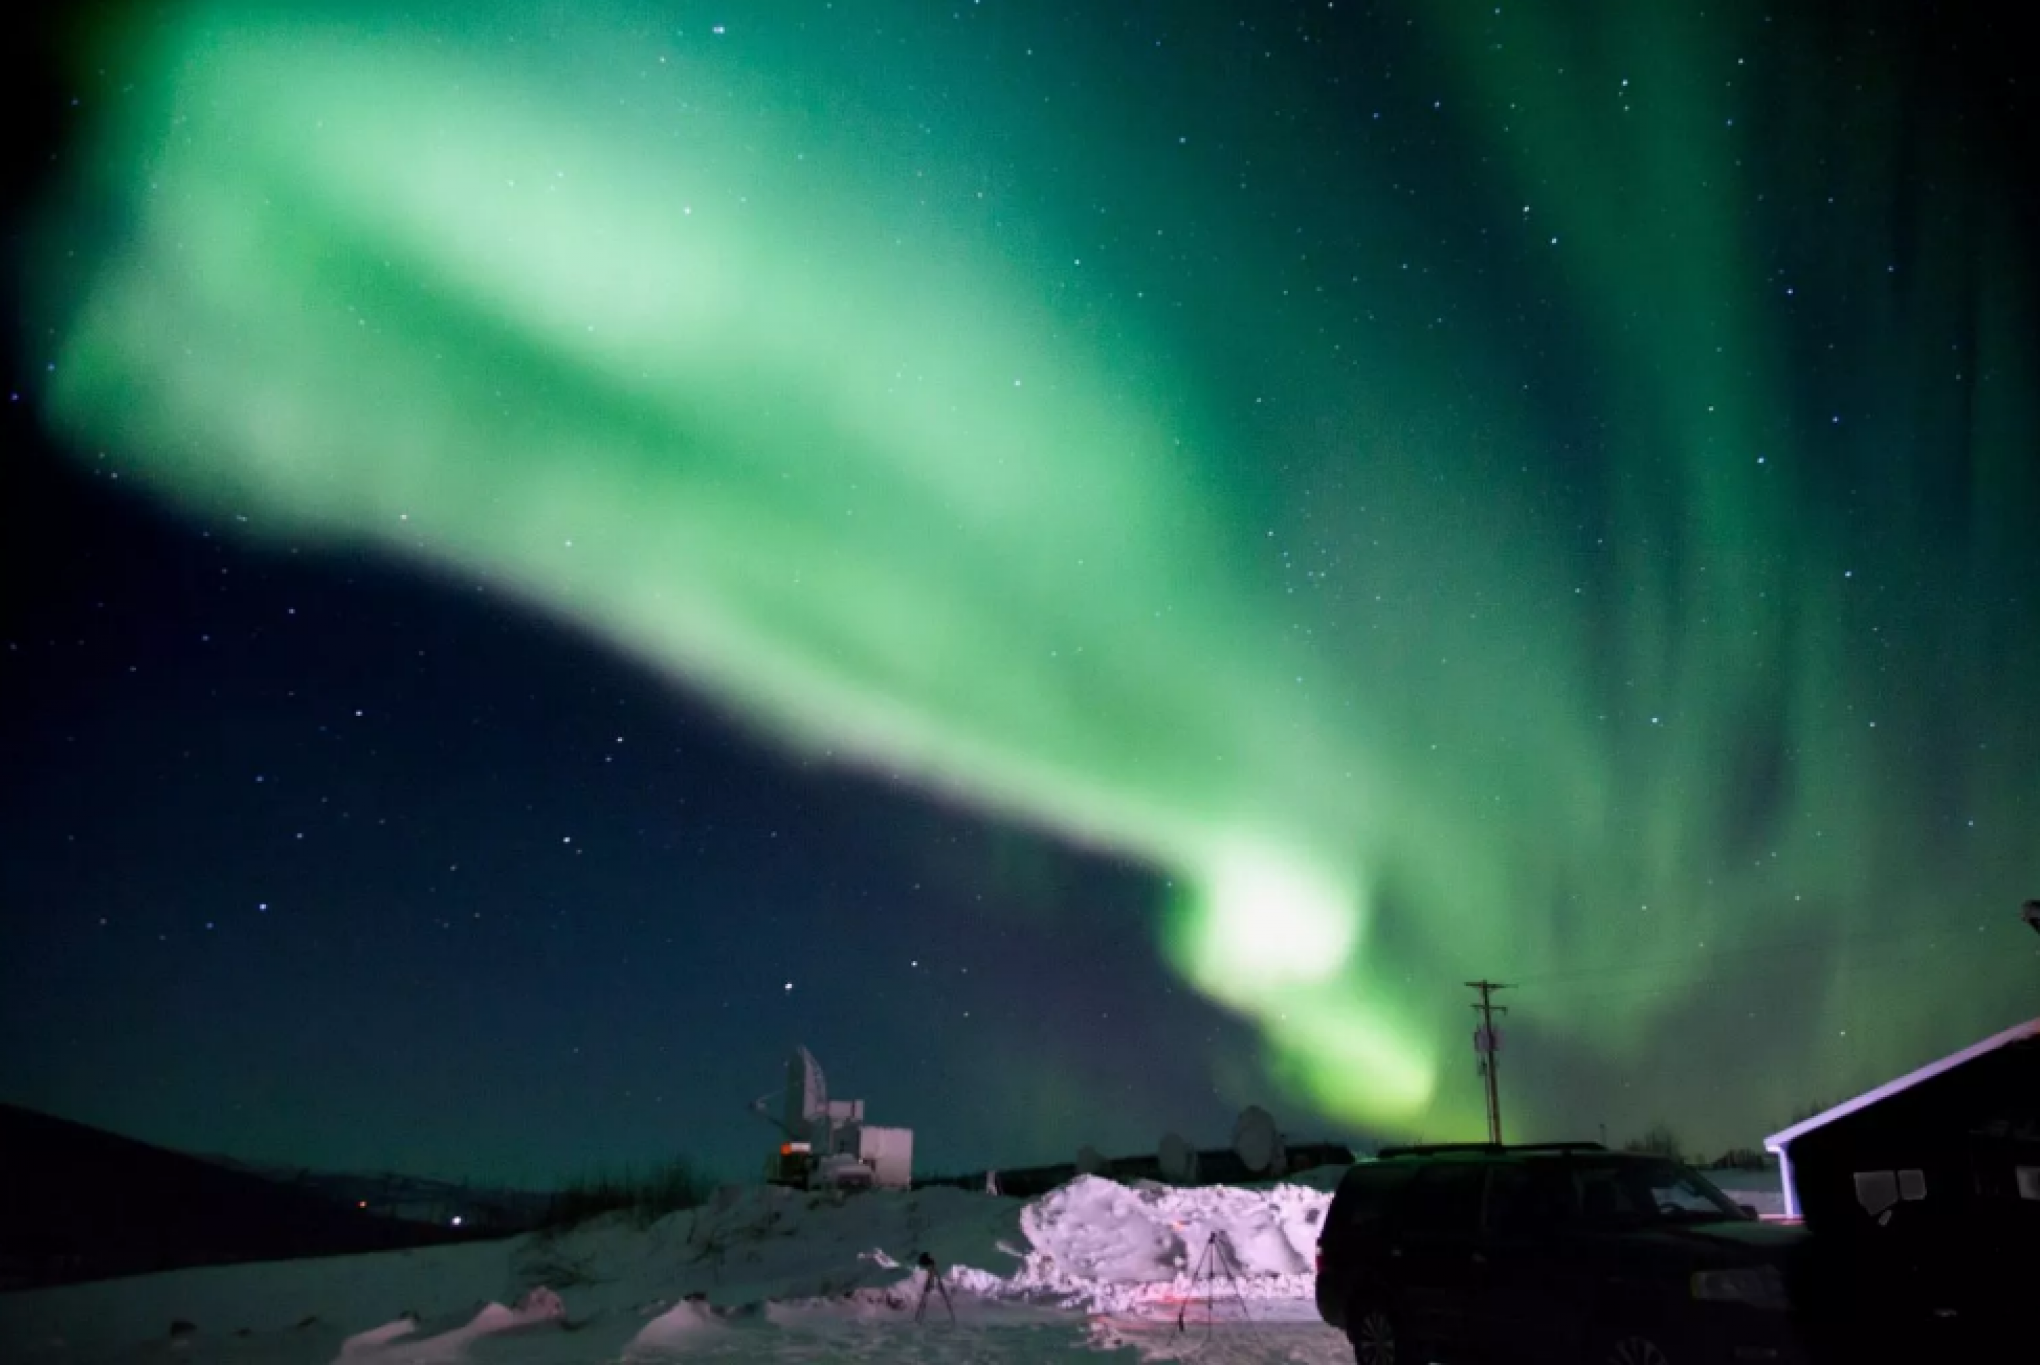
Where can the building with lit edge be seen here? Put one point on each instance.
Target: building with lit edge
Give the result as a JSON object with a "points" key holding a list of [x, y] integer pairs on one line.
{"points": [[1923, 1197], [1961, 1134]]}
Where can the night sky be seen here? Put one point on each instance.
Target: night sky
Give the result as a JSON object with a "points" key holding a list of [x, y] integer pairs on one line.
{"points": [[1092, 563]]}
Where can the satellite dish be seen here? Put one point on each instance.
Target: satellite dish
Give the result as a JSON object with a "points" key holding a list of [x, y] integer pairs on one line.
{"points": [[1178, 1160], [1088, 1160], [807, 1095], [1258, 1144]]}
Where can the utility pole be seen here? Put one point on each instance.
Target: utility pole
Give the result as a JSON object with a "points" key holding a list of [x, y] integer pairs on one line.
{"points": [[1486, 1043]]}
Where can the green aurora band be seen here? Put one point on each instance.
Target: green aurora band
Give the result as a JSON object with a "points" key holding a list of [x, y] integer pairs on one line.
{"points": [[752, 371]]}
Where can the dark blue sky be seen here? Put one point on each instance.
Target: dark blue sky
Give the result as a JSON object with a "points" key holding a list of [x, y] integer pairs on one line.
{"points": [[317, 862]]}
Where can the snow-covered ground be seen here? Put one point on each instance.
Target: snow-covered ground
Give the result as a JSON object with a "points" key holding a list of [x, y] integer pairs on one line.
{"points": [[1146, 1272], [759, 1274]]}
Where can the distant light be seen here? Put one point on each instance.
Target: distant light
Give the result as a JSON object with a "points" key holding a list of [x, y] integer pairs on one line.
{"points": [[456, 1220], [362, 1205]]}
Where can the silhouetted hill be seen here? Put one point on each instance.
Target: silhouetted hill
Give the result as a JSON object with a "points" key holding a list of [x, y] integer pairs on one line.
{"points": [[79, 1203], [417, 1198]]}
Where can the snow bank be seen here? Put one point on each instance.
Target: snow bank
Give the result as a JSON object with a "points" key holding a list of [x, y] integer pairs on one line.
{"points": [[707, 1281], [1107, 1247]]}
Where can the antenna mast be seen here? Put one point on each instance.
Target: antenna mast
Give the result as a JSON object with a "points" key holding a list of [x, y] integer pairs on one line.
{"points": [[1486, 1043]]}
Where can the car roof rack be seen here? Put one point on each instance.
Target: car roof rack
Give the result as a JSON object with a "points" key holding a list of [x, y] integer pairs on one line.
{"points": [[1439, 1148], [1487, 1148]]}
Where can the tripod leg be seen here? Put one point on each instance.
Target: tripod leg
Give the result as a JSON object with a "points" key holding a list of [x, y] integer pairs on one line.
{"points": [[1206, 1273], [1232, 1275], [1184, 1307]]}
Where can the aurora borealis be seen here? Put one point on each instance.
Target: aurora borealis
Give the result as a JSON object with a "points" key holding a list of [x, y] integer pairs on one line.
{"points": [[1430, 492]]}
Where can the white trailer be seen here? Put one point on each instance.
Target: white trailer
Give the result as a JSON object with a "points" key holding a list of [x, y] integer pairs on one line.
{"points": [[828, 1144], [889, 1152]]}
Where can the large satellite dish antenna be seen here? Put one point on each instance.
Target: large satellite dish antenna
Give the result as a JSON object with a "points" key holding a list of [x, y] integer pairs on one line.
{"points": [[807, 1095], [1178, 1160], [1258, 1144]]}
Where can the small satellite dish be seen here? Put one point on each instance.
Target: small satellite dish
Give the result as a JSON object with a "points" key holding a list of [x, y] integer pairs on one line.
{"points": [[1258, 1144], [1178, 1160], [1088, 1160]]}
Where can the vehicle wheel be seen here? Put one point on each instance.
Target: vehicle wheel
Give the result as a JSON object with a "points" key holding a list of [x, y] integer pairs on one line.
{"points": [[1377, 1337], [1631, 1348]]}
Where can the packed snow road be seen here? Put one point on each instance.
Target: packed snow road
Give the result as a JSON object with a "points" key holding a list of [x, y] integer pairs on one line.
{"points": [[876, 1328], [997, 1334]]}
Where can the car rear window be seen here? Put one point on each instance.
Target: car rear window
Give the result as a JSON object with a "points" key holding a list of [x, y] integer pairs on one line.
{"points": [[1364, 1193]]}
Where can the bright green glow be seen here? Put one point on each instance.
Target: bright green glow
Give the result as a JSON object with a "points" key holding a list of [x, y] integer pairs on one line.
{"points": [[1301, 929], [692, 394], [799, 402]]}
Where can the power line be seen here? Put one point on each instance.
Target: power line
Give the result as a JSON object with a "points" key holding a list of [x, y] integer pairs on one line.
{"points": [[1779, 947], [1691, 979], [1550, 1007]]}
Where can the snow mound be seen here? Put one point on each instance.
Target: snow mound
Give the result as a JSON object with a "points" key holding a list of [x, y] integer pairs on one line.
{"points": [[397, 1343], [681, 1328], [1149, 1249], [1095, 1229]]}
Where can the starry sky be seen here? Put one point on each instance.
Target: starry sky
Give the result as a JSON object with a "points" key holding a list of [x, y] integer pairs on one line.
{"points": [[1091, 563]]}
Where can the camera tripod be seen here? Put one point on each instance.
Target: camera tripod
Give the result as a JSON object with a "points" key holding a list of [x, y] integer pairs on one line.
{"points": [[933, 1280], [1217, 1259]]}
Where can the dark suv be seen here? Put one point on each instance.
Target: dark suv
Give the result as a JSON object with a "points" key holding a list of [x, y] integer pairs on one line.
{"points": [[1556, 1252]]}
